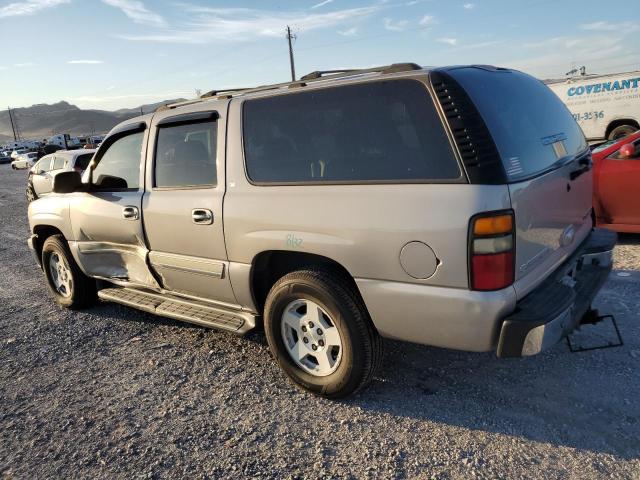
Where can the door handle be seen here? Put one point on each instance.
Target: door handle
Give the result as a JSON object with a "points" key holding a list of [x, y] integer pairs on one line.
{"points": [[130, 213], [202, 216]]}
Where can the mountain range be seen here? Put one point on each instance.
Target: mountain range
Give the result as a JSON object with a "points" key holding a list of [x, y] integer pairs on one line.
{"points": [[43, 120]]}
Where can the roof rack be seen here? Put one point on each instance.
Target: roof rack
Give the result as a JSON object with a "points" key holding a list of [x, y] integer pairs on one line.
{"points": [[318, 75]]}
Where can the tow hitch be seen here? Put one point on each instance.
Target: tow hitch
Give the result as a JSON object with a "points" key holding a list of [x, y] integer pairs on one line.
{"points": [[593, 317]]}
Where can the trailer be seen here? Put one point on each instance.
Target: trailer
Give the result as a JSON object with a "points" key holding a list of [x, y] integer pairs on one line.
{"points": [[605, 106]]}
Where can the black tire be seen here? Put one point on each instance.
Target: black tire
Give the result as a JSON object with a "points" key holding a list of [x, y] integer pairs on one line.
{"points": [[13, 167], [30, 192], [361, 344], [82, 292], [622, 131]]}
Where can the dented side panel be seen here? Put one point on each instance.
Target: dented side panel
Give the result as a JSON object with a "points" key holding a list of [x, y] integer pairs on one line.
{"points": [[109, 245]]}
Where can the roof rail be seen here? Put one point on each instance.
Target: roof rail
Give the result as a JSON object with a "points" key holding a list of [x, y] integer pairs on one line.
{"points": [[320, 73], [393, 68], [214, 93], [310, 77]]}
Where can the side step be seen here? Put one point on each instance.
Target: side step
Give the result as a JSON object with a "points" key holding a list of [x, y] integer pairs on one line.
{"points": [[235, 321]]}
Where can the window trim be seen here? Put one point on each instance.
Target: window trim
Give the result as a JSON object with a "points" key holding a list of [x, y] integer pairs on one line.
{"points": [[208, 116], [461, 179]]}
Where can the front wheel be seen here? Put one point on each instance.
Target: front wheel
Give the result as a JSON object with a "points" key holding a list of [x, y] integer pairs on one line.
{"points": [[320, 333], [31, 192], [70, 287]]}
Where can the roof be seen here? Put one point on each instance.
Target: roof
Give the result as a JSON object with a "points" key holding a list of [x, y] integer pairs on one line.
{"points": [[74, 153]]}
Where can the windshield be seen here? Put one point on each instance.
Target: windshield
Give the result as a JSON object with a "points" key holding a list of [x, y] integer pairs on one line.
{"points": [[532, 128]]}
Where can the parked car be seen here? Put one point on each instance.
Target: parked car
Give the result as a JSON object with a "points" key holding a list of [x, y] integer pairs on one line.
{"points": [[17, 152], [616, 192], [5, 159], [41, 175], [447, 207], [26, 160]]}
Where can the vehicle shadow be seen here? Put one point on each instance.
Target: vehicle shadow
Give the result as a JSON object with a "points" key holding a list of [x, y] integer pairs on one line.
{"points": [[586, 400]]}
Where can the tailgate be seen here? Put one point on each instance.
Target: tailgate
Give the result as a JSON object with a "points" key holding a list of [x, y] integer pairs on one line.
{"points": [[553, 216]]}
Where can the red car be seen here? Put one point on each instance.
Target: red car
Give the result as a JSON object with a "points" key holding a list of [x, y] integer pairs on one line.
{"points": [[616, 184]]}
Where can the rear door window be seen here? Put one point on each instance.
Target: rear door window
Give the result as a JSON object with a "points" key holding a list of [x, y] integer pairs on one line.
{"points": [[372, 132], [186, 155], [533, 130]]}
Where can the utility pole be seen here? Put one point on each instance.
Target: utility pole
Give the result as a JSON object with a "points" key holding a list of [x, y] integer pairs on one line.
{"points": [[13, 128], [290, 37]]}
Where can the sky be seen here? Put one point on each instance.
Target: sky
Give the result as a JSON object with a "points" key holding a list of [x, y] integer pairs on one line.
{"points": [[110, 54]]}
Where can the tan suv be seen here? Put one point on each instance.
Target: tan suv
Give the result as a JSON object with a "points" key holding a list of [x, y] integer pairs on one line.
{"points": [[448, 207]]}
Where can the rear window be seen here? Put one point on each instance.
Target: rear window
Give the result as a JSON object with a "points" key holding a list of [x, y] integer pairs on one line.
{"points": [[532, 128], [379, 131]]}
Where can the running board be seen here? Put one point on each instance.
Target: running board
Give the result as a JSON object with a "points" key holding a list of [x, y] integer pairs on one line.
{"points": [[235, 321]]}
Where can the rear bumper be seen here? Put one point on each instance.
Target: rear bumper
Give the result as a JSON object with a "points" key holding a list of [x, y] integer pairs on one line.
{"points": [[555, 308]]}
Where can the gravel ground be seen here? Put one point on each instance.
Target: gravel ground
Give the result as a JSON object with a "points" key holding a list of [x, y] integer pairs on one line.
{"points": [[116, 393]]}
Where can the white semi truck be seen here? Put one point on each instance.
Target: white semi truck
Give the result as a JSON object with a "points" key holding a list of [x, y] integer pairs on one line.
{"points": [[605, 106]]}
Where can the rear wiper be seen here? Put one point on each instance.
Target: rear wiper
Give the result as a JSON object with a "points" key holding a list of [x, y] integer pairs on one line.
{"points": [[586, 166]]}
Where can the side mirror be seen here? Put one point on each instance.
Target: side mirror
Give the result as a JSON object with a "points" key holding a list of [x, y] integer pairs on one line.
{"points": [[627, 150], [67, 182]]}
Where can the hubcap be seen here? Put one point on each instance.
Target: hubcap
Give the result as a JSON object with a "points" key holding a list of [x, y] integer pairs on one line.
{"points": [[311, 338], [60, 275]]}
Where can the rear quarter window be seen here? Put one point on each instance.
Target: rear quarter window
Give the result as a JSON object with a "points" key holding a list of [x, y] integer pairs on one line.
{"points": [[373, 132], [532, 128]]}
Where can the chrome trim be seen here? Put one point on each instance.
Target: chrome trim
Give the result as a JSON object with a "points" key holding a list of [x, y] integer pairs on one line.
{"points": [[191, 270], [187, 264]]}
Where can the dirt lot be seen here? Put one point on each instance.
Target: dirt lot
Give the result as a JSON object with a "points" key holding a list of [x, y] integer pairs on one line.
{"points": [[116, 393]]}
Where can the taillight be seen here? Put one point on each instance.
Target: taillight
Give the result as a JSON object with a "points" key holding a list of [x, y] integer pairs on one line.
{"points": [[491, 250]]}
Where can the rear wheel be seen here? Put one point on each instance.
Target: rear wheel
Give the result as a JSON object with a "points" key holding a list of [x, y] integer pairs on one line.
{"points": [[622, 131], [320, 333], [70, 287]]}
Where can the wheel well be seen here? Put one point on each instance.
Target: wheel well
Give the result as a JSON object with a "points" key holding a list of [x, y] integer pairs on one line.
{"points": [[268, 267], [43, 232], [617, 123]]}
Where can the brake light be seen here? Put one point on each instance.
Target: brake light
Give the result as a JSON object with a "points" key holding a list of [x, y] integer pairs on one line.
{"points": [[491, 251]]}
